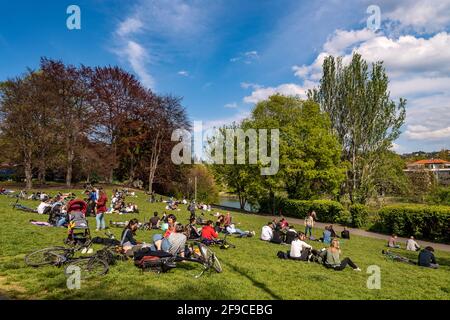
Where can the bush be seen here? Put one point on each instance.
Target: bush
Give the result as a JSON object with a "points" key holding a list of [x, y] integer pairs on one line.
{"points": [[440, 196], [326, 210], [423, 222], [359, 215]]}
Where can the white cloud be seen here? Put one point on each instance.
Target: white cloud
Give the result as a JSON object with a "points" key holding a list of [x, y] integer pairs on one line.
{"points": [[426, 16], [247, 57], [174, 23], [288, 89], [183, 73], [419, 70], [233, 105], [129, 26], [137, 56], [248, 85]]}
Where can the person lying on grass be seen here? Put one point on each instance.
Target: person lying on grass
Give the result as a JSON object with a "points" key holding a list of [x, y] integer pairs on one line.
{"points": [[300, 250], [231, 229], [333, 258]]}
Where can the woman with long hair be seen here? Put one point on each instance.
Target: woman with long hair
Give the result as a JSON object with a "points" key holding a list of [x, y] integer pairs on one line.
{"points": [[333, 258]]}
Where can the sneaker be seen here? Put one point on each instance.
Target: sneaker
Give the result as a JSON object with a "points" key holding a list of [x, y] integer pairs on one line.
{"points": [[253, 233], [90, 251], [84, 251], [357, 269]]}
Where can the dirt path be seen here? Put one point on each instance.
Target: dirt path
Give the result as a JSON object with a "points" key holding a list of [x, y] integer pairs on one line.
{"points": [[368, 234]]}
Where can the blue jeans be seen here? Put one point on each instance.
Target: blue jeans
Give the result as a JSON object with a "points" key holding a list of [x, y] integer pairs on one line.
{"points": [[308, 229], [100, 219], [61, 222], [165, 244]]}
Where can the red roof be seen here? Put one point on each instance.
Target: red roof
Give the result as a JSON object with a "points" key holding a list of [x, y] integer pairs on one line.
{"points": [[432, 161]]}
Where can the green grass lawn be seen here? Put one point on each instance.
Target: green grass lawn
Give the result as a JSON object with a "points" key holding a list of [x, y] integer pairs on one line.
{"points": [[251, 271]]}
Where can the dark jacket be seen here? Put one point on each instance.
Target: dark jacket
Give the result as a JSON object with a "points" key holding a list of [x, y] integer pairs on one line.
{"points": [[426, 258]]}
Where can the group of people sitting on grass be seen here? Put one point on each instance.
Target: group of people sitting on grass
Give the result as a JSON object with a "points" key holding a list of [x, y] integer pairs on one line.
{"points": [[425, 258], [175, 234]]}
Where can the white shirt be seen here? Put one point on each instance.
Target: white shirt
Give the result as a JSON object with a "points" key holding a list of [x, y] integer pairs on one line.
{"points": [[41, 207], [412, 245], [266, 233], [297, 247]]}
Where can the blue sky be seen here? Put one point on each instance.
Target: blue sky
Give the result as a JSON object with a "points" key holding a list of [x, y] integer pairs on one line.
{"points": [[222, 56]]}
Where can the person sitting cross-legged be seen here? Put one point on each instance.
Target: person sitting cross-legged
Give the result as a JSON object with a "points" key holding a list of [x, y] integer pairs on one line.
{"points": [[300, 250]]}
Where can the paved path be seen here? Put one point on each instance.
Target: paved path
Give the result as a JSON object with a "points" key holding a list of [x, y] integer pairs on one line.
{"points": [[363, 233]]}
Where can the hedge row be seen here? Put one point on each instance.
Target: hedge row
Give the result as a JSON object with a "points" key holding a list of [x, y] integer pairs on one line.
{"points": [[422, 221], [326, 210]]}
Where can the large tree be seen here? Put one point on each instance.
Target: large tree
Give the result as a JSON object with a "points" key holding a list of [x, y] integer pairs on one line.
{"points": [[363, 116], [310, 156]]}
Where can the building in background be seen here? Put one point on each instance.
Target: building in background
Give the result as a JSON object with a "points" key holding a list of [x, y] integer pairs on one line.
{"points": [[440, 169]]}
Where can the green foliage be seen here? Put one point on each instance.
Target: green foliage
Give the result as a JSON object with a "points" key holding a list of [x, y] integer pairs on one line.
{"points": [[440, 196], [326, 210], [422, 183], [359, 214], [363, 116], [421, 221]]}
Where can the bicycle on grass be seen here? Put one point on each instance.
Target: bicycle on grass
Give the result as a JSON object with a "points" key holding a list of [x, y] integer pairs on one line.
{"points": [[90, 266]]}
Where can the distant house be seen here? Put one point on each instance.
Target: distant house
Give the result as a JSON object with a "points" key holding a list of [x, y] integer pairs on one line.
{"points": [[440, 169]]}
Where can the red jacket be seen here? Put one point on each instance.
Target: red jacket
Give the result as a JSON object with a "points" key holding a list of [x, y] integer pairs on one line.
{"points": [[209, 233], [101, 204]]}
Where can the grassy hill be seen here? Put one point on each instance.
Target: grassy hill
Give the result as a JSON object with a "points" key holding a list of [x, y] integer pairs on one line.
{"points": [[251, 270]]}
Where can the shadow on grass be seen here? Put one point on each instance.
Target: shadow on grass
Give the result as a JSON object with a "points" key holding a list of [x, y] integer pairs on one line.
{"points": [[256, 283]]}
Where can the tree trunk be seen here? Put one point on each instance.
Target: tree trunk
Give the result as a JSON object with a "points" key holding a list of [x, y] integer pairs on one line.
{"points": [[41, 174], [70, 157], [28, 170], [154, 158]]}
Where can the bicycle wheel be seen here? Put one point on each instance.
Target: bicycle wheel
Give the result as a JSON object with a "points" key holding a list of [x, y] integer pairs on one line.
{"points": [[209, 258], [216, 263], [47, 256], [89, 267]]}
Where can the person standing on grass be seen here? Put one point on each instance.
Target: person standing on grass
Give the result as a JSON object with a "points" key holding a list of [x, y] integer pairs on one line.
{"points": [[333, 258], [101, 209], [309, 224]]}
